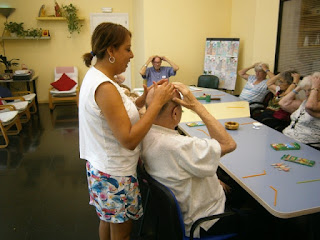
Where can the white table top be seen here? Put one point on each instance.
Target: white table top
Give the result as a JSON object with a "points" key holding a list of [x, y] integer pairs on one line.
{"points": [[254, 155]]}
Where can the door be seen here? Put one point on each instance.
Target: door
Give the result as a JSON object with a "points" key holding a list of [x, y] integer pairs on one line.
{"points": [[119, 18]]}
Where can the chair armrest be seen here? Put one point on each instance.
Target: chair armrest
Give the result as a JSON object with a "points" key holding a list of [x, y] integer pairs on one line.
{"points": [[21, 92], [209, 218], [13, 98], [10, 107], [257, 103]]}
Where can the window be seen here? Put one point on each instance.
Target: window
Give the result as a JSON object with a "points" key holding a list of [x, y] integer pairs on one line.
{"points": [[298, 44]]}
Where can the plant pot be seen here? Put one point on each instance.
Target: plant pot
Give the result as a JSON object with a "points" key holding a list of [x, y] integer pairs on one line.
{"points": [[13, 34]]}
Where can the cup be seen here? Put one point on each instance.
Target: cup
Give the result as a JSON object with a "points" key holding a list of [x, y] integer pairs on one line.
{"points": [[208, 98]]}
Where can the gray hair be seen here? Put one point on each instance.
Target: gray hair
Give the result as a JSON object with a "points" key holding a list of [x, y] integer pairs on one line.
{"points": [[306, 82], [258, 67]]}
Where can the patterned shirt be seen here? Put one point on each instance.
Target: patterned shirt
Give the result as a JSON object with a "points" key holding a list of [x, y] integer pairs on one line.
{"points": [[304, 127], [254, 92]]}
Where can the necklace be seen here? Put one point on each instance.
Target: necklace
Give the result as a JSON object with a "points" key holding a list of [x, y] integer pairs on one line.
{"points": [[302, 112]]}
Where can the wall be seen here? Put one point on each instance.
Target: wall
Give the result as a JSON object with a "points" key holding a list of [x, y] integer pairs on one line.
{"points": [[177, 29], [255, 23], [60, 50]]}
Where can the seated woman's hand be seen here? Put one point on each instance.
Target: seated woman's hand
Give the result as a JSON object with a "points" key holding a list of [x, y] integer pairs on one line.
{"points": [[189, 100]]}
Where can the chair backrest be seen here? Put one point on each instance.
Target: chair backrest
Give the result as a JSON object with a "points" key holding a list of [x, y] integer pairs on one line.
{"points": [[208, 81], [164, 211], [267, 98], [72, 73]]}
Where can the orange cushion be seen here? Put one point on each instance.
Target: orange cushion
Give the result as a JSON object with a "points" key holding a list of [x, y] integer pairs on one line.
{"points": [[64, 83]]}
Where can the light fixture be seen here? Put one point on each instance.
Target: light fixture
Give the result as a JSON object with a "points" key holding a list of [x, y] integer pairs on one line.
{"points": [[6, 12]]}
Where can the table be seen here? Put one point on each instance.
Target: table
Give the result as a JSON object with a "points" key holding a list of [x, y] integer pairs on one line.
{"points": [[215, 93], [28, 82], [254, 155]]}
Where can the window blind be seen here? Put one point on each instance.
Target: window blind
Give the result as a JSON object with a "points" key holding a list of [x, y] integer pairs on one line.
{"points": [[299, 42]]}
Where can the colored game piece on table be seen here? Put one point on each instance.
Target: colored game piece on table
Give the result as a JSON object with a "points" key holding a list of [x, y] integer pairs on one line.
{"points": [[285, 146], [302, 161], [195, 124]]}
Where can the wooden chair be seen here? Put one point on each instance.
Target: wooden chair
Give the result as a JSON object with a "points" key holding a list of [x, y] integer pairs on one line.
{"points": [[28, 96], [18, 104], [7, 121], [72, 95]]}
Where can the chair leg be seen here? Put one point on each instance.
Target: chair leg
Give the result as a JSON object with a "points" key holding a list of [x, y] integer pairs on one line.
{"points": [[6, 139], [143, 216], [50, 102], [33, 105]]}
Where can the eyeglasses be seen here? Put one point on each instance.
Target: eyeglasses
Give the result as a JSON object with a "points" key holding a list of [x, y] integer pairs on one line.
{"points": [[302, 112]]}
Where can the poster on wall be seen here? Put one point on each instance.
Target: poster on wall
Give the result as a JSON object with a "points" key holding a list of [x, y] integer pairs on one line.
{"points": [[221, 60]]}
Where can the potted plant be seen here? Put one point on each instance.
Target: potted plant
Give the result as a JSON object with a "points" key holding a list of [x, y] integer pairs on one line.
{"points": [[15, 28], [34, 32], [70, 13], [8, 63]]}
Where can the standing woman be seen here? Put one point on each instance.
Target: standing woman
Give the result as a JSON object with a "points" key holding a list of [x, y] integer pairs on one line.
{"points": [[110, 132]]}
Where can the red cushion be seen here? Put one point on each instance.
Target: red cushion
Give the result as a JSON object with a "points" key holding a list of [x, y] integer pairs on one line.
{"points": [[64, 83]]}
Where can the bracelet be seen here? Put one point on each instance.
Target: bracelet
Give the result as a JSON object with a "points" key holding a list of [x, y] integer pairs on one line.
{"points": [[317, 89], [294, 91], [145, 65], [294, 84], [267, 70]]}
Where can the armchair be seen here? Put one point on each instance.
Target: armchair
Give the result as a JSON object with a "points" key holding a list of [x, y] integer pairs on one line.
{"points": [[65, 86], [7, 121], [19, 105]]}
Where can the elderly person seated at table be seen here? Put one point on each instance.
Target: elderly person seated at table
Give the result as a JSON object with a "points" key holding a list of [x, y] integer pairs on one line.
{"points": [[280, 85], [157, 72], [256, 87], [188, 165], [305, 117]]}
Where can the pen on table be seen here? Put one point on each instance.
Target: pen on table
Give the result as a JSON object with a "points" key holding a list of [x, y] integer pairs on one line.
{"points": [[256, 175], [275, 195], [313, 180]]}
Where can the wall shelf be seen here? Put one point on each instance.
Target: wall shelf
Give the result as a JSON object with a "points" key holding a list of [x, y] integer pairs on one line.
{"points": [[24, 38], [54, 19]]}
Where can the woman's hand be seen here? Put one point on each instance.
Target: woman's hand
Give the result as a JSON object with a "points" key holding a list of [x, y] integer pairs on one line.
{"points": [[296, 77], [315, 82], [164, 93]]}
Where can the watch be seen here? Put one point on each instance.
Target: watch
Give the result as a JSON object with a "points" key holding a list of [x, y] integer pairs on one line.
{"points": [[146, 65]]}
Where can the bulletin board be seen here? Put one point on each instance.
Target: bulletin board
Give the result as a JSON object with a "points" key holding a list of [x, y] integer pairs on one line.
{"points": [[221, 60]]}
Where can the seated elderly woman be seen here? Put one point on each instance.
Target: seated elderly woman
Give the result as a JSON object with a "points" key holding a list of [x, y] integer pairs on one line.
{"points": [[305, 117], [280, 85], [256, 88]]}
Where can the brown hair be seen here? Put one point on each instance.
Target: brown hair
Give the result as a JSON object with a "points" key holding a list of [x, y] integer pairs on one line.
{"points": [[106, 34], [286, 75]]}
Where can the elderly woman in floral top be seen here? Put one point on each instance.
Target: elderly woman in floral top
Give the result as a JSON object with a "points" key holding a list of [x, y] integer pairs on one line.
{"points": [[280, 85], [305, 117]]}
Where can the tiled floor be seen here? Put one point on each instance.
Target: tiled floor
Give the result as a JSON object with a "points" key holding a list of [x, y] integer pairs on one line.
{"points": [[43, 193]]}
